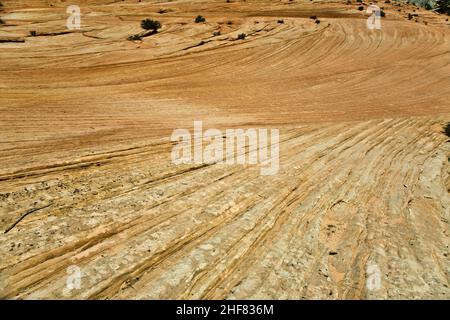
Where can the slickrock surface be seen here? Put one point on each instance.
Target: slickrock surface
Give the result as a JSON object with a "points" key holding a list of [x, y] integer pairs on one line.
{"points": [[86, 176]]}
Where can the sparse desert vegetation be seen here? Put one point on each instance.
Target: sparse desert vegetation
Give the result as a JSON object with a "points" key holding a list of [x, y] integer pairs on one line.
{"points": [[149, 24], [152, 27], [86, 171], [241, 36], [200, 19]]}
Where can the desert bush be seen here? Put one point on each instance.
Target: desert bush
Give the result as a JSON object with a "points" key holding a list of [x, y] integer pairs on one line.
{"points": [[280, 21], [33, 33], [200, 19], [360, 8], [241, 36], [149, 24], [382, 14]]}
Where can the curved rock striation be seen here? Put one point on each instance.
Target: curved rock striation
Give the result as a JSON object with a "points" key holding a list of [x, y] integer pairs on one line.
{"points": [[358, 210]]}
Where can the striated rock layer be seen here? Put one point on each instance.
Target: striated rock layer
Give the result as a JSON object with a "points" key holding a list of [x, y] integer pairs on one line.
{"points": [[359, 209]]}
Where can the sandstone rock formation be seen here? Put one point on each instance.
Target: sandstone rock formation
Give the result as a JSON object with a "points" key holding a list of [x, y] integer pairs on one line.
{"points": [[86, 177]]}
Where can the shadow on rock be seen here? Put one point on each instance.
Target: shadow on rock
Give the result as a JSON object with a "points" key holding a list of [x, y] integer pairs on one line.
{"points": [[447, 130]]}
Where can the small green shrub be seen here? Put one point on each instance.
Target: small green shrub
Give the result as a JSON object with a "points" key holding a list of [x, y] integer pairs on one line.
{"points": [[200, 19], [149, 24], [242, 36]]}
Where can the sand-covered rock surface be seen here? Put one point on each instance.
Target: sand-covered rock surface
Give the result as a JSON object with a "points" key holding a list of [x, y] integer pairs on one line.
{"points": [[360, 206]]}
